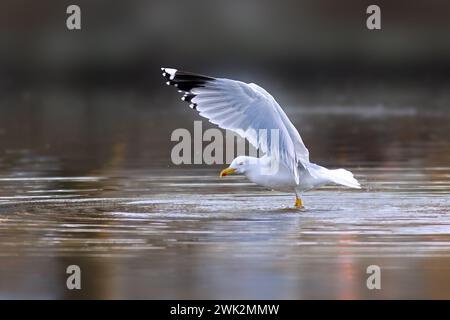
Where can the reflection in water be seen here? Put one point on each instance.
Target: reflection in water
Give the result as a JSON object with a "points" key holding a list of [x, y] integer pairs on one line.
{"points": [[93, 185]]}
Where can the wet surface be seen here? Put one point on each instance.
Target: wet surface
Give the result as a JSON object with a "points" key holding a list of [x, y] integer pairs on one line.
{"points": [[94, 186]]}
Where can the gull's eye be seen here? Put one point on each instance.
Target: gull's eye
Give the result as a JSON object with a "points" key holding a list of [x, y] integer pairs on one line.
{"points": [[241, 163]]}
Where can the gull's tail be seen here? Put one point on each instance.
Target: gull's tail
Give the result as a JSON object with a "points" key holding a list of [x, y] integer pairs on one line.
{"points": [[337, 176]]}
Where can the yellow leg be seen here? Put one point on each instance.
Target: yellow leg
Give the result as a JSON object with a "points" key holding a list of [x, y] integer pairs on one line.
{"points": [[298, 202]]}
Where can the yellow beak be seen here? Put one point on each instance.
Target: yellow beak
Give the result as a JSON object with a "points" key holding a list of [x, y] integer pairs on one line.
{"points": [[226, 172]]}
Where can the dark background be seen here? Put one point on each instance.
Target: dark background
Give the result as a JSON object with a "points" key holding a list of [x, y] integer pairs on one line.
{"points": [[126, 42], [78, 97]]}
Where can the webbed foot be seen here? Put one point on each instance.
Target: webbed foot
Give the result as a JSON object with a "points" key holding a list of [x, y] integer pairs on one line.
{"points": [[298, 203]]}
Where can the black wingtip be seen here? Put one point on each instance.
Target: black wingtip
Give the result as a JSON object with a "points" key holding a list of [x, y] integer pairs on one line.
{"points": [[185, 82]]}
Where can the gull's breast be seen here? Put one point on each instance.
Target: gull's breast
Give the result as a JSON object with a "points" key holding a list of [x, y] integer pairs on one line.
{"points": [[281, 179]]}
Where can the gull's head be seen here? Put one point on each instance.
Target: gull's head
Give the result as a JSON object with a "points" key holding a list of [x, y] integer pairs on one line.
{"points": [[238, 165]]}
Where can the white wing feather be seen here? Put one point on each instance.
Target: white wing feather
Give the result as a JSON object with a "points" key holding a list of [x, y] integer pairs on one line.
{"points": [[300, 149]]}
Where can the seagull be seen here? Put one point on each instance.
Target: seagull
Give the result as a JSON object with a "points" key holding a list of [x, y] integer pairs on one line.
{"points": [[246, 109]]}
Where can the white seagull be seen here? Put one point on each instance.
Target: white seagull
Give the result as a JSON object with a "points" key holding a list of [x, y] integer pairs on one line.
{"points": [[246, 109]]}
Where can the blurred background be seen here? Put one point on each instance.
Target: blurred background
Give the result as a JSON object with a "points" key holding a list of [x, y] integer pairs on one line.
{"points": [[62, 88], [125, 43], [85, 124]]}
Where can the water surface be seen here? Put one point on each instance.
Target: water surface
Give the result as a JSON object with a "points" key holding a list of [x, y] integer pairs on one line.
{"points": [[91, 183]]}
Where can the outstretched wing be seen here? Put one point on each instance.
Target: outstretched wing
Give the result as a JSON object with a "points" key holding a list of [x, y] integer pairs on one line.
{"points": [[245, 109], [301, 151]]}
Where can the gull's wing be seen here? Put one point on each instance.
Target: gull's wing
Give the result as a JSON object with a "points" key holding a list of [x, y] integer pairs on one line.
{"points": [[244, 109], [301, 151]]}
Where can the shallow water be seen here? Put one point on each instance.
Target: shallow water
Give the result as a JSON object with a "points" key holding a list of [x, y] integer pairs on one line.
{"points": [[94, 186]]}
